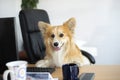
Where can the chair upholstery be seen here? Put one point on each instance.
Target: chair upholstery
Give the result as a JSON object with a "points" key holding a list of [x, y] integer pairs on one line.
{"points": [[32, 38], [33, 42]]}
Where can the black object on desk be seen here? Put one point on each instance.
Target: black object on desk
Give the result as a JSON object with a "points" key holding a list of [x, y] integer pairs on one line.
{"points": [[40, 69], [8, 42]]}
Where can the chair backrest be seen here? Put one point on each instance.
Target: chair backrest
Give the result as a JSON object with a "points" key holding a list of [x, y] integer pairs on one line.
{"points": [[32, 38]]}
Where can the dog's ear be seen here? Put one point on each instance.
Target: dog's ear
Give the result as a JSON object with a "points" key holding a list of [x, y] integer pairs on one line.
{"points": [[43, 26], [71, 23]]}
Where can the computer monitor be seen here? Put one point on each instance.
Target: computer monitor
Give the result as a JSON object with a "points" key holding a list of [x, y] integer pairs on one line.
{"points": [[8, 46]]}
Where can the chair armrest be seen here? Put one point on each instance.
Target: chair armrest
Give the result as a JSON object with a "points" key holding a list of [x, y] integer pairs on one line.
{"points": [[89, 56]]}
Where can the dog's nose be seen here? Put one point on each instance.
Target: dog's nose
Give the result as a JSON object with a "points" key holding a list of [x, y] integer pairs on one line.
{"points": [[56, 44]]}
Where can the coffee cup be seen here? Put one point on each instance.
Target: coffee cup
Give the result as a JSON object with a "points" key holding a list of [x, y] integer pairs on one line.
{"points": [[70, 71], [17, 70]]}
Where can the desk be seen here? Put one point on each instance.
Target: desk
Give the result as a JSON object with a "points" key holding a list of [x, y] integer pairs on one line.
{"points": [[102, 72]]}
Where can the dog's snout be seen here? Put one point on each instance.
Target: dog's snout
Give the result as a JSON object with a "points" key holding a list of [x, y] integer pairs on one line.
{"points": [[56, 44]]}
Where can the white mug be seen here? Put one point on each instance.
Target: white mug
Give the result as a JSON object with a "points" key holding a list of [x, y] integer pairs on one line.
{"points": [[17, 70]]}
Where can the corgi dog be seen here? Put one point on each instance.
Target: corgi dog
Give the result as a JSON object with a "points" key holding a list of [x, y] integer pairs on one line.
{"points": [[60, 46]]}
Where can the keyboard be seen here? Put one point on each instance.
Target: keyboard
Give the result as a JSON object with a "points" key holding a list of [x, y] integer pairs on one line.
{"points": [[40, 69], [87, 76]]}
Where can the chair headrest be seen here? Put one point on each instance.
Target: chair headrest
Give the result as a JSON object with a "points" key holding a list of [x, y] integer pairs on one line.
{"points": [[31, 18]]}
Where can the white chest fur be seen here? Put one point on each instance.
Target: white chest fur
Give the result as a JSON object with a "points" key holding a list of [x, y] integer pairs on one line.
{"points": [[58, 58]]}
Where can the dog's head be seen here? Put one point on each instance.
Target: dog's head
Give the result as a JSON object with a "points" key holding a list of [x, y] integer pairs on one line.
{"points": [[57, 37]]}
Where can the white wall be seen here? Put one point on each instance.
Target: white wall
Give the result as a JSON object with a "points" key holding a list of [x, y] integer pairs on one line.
{"points": [[97, 22], [11, 8]]}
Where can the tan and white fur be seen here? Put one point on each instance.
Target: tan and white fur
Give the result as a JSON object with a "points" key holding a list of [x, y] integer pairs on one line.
{"points": [[60, 46]]}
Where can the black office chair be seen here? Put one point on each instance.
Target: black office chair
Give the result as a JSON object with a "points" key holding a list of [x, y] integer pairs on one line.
{"points": [[33, 42]]}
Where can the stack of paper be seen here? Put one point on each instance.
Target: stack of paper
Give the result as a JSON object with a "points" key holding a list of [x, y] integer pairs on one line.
{"points": [[40, 76]]}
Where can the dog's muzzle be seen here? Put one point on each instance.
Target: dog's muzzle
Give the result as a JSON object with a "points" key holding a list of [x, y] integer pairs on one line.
{"points": [[57, 46]]}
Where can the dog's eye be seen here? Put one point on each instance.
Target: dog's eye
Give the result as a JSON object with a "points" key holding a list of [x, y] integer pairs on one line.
{"points": [[52, 35], [61, 35]]}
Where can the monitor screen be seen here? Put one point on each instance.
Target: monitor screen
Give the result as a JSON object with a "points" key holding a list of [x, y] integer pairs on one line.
{"points": [[8, 49]]}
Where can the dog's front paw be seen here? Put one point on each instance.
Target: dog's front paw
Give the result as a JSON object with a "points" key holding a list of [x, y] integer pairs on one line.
{"points": [[42, 63]]}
